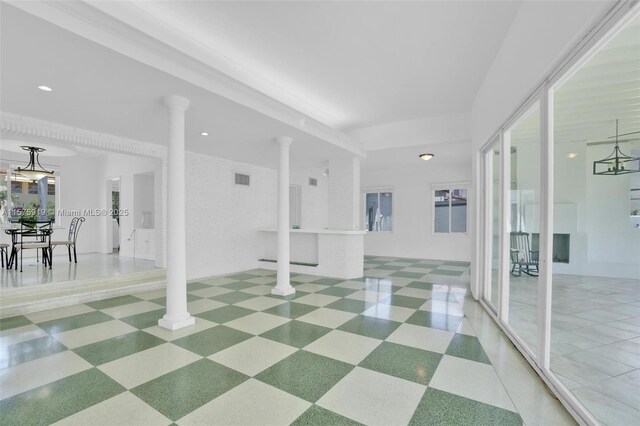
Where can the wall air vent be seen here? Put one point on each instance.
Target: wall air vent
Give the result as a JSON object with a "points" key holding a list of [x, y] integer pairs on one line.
{"points": [[313, 182], [242, 179]]}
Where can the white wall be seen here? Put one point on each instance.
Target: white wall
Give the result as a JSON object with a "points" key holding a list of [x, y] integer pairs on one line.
{"points": [[412, 235], [315, 199]]}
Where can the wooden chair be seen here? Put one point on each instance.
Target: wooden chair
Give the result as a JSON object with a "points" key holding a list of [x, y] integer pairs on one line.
{"points": [[33, 235], [523, 259], [74, 228]]}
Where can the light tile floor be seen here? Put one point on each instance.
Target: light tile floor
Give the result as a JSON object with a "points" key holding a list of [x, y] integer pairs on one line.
{"points": [[595, 339], [92, 265], [392, 348]]}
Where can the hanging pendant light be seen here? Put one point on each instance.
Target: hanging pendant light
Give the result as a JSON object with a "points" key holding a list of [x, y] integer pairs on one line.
{"points": [[30, 171], [617, 163]]}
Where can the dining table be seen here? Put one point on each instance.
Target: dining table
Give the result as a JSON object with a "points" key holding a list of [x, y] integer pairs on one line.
{"points": [[15, 229]]}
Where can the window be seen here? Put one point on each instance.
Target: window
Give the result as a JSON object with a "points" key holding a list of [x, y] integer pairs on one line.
{"points": [[378, 214], [450, 209], [26, 199]]}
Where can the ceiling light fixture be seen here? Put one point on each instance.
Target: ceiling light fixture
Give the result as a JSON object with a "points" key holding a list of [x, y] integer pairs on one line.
{"points": [[426, 156], [572, 155], [204, 134], [31, 172], [45, 88], [617, 163]]}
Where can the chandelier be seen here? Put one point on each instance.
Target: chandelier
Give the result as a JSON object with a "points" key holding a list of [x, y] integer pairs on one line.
{"points": [[617, 163]]}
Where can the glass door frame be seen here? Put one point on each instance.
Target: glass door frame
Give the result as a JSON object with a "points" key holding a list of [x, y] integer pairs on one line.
{"points": [[610, 24]]}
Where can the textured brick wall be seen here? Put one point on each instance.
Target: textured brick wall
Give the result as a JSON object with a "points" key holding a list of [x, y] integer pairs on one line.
{"points": [[344, 190]]}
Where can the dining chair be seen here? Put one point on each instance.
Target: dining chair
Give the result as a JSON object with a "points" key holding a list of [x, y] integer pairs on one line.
{"points": [[36, 235], [74, 228], [4, 258]]}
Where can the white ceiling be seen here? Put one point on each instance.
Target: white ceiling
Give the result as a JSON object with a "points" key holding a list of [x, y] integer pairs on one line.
{"points": [[355, 63], [406, 158], [98, 89]]}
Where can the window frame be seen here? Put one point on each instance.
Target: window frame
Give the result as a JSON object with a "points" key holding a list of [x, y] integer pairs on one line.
{"points": [[379, 190], [450, 187]]}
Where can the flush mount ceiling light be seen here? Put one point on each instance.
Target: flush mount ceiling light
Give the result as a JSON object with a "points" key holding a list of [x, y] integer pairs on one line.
{"points": [[617, 163], [31, 172], [572, 154], [204, 134], [45, 88], [426, 156]]}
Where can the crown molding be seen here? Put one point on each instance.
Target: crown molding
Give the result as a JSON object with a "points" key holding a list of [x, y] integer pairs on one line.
{"points": [[124, 28], [22, 126]]}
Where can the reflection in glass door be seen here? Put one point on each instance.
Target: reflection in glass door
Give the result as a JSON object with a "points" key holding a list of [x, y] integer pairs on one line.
{"points": [[523, 139], [492, 165]]}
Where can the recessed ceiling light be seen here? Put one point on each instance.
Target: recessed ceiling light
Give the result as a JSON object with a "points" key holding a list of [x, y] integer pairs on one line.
{"points": [[426, 156], [572, 155], [45, 88], [204, 134]]}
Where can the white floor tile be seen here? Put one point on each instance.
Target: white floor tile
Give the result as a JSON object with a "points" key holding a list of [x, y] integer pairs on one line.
{"points": [[472, 380], [30, 375], [327, 317], [347, 347], [260, 303], [254, 355], [203, 305], [53, 314], [139, 368], [373, 398], [389, 312], [131, 309], [429, 339], [20, 334], [93, 333], [250, 403], [257, 323], [122, 410]]}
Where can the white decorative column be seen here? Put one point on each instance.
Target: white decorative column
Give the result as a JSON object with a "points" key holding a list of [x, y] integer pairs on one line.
{"points": [[283, 284], [177, 315]]}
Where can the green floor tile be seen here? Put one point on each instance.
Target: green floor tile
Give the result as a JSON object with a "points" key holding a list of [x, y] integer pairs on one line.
{"points": [[180, 392], [421, 285], [389, 267], [18, 353], [350, 305], [291, 310], [233, 297], [443, 408], [405, 362], [305, 375], [118, 347], [52, 402], [296, 333], [409, 260], [328, 281], [212, 340], [225, 314], [13, 322], [163, 300], [239, 285], [446, 272], [404, 274], [114, 301], [73, 322], [316, 415], [370, 327], [241, 277], [435, 320], [467, 347], [424, 266], [146, 319], [405, 301], [337, 291], [197, 286]]}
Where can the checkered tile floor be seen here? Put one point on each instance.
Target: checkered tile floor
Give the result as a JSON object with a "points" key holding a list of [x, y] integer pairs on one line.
{"points": [[391, 348]]}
